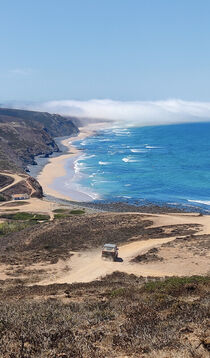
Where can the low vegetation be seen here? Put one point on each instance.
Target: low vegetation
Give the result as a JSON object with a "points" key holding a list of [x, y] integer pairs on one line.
{"points": [[5, 180], [176, 285], [9, 227], [2, 198], [64, 213], [120, 316], [150, 256], [77, 212], [24, 216], [60, 211]]}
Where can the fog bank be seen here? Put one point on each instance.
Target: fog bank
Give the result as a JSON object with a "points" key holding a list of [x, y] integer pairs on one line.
{"points": [[128, 113]]}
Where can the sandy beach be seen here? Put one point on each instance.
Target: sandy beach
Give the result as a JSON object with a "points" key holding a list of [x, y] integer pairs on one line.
{"points": [[55, 168]]}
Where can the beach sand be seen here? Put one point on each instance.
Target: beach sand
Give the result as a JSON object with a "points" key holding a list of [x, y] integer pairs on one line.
{"points": [[55, 168]]}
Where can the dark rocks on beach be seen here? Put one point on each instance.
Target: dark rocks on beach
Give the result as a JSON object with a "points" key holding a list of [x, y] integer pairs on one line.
{"points": [[125, 207]]}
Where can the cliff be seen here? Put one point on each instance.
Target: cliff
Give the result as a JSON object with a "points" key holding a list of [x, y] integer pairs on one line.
{"points": [[25, 134]]}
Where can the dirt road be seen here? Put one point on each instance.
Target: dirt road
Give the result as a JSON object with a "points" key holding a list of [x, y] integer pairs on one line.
{"points": [[17, 178], [86, 266]]}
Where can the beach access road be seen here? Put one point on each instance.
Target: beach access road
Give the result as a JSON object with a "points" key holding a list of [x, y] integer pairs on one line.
{"points": [[87, 266], [176, 255], [69, 250]]}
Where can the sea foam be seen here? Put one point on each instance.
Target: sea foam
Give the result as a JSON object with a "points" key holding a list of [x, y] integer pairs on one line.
{"points": [[103, 163], [174, 169], [129, 160]]}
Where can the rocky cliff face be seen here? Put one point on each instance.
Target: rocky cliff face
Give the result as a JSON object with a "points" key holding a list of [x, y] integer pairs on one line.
{"points": [[25, 134]]}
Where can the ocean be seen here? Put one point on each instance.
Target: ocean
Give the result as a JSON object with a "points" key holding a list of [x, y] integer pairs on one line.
{"points": [[165, 165]]}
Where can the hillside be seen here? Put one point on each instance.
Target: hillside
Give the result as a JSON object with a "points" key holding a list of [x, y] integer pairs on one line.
{"points": [[25, 134], [48, 313]]}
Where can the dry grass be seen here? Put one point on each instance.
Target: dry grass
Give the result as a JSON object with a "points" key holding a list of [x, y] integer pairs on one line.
{"points": [[116, 317]]}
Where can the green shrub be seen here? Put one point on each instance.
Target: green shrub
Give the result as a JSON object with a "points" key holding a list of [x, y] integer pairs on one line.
{"points": [[2, 198], [118, 292], [62, 213], [77, 212], [61, 216], [8, 227], [174, 284], [60, 210], [25, 216]]}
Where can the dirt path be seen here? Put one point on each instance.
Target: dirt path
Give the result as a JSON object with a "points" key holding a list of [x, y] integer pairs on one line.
{"points": [[86, 266], [30, 187], [180, 219], [16, 178]]}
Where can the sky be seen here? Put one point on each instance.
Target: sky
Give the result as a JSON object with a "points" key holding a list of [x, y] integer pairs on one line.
{"points": [[120, 51]]}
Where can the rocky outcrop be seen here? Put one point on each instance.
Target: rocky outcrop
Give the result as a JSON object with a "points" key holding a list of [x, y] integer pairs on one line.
{"points": [[37, 191]]}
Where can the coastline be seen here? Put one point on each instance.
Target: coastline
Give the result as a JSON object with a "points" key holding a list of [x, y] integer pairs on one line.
{"points": [[59, 179], [55, 167]]}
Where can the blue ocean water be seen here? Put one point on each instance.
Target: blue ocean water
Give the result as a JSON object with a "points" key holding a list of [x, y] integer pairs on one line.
{"points": [[160, 164]]}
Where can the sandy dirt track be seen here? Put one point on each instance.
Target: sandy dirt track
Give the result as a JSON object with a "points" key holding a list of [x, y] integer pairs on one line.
{"points": [[86, 266], [182, 218], [17, 178]]}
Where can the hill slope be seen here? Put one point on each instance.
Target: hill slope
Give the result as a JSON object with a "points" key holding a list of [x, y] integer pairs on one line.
{"points": [[25, 134]]}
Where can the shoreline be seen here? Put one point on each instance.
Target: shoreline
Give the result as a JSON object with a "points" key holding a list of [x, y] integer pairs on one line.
{"points": [[55, 169], [60, 169]]}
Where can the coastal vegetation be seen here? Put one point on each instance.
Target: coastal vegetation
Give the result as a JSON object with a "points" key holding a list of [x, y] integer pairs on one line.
{"points": [[25, 216], [9, 227], [119, 316], [64, 213], [5, 180]]}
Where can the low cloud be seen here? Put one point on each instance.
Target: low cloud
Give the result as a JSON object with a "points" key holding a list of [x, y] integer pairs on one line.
{"points": [[131, 113]]}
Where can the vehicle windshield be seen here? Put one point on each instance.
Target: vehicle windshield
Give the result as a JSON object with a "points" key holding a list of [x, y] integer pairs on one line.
{"points": [[110, 248]]}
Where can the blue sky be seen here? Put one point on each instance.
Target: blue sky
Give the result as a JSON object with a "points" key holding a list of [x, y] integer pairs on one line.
{"points": [[125, 50]]}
